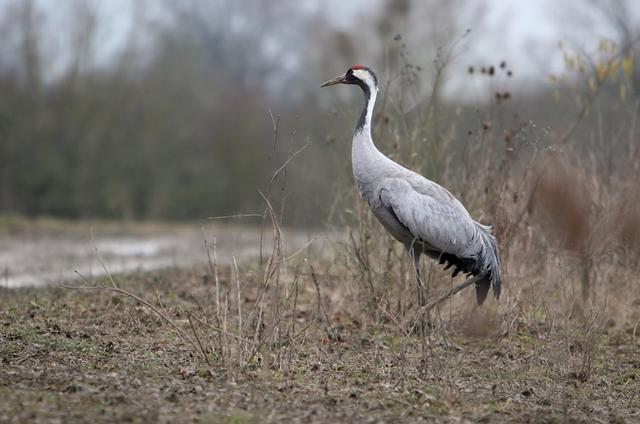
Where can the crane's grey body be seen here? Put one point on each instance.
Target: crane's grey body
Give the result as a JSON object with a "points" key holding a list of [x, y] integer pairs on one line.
{"points": [[421, 214]]}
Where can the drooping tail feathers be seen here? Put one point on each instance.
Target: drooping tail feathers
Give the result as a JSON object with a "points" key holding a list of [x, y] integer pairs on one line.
{"points": [[489, 264]]}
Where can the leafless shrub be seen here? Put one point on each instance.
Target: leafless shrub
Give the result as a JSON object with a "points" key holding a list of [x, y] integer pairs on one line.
{"points": [[627, 220], [563, 204]]}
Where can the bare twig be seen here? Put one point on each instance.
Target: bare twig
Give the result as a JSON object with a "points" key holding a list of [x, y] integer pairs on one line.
{"points": [[195, 334], [206, 248], [321, 310], [235, 269], [289, 159], [297, 252], [220, 330], [217, 280], [238, 215], [449, 294], [104, 266]]}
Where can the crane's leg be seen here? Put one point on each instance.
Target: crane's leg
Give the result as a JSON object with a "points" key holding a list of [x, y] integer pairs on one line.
{"points": [[415, 253], [422, 287]]}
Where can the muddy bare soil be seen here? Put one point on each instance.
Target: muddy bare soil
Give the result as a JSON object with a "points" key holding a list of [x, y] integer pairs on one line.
{"points": [[95, 356]]}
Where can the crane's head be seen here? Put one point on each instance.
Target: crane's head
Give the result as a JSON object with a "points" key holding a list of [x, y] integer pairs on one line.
{"points": [[358, 75]]}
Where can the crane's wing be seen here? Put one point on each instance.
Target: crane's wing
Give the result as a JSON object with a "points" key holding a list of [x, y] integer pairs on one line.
{"points": [[433, 216], [437, 219]]}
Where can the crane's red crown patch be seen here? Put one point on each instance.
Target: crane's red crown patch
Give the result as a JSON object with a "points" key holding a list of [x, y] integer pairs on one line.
{"points": [[356, 67]]}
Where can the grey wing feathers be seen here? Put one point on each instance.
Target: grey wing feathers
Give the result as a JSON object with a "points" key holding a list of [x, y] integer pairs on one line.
{"points": [[433, 216], [439, 220]]}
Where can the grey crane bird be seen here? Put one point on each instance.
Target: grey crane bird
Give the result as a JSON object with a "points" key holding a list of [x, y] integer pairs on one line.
{"points": [[421, 214]]}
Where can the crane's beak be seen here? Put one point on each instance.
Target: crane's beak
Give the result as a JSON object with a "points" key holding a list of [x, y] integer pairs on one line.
{"points": [[337, 80]]}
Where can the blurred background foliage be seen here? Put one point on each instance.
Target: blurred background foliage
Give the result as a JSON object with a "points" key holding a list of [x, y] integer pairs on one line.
{"points": [[177, 121]]}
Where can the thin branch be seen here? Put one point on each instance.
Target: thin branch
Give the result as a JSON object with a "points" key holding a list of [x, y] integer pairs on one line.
{"points": [[221, 331], [450, 294], [320, 305], [289, 159], [104, 266], [235, 268], [297, 252], [238, 215], [195, 333]]}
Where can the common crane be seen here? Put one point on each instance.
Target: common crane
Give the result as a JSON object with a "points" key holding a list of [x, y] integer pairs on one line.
{"points": [[421, 214]]}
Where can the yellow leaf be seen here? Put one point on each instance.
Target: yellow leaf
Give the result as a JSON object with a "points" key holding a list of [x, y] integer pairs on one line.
{"points": [[601, 71], [568, 61], [613, 68], [627, 65], [613, 47], [593, 86], [623, 91], [579, 100]]}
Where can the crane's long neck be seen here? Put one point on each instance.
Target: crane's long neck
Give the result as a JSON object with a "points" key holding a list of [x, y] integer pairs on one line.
{"points": [[364, 123], [365, 157]]}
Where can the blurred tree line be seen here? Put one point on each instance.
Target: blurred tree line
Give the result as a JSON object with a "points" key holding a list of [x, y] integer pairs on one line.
{"points": [[179, 123], [178, 127]]}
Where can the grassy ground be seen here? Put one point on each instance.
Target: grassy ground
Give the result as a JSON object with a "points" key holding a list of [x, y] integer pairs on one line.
{"points": [[96, 355]]}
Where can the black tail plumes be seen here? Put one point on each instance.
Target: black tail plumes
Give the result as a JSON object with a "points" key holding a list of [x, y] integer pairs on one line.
{"points": [[486, 264]]}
